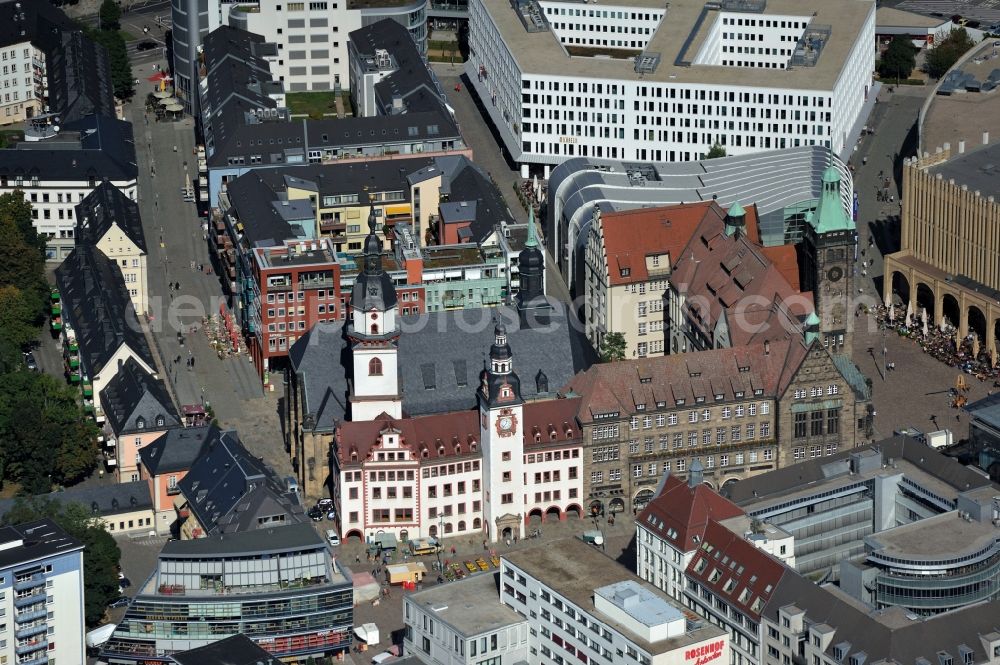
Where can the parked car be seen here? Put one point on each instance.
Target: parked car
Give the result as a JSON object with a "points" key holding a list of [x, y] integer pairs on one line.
{"points": [[332, 537], [121, 601], [315, 514], [332, 515], [325, 504], [30, 362], [145, 46]]}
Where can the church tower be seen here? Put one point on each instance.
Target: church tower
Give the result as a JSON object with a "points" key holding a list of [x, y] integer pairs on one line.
{"points": [[501, 433], [373, 332], [833, 238], [532, 307]]}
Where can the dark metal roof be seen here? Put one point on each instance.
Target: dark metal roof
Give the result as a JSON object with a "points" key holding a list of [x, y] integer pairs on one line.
{"points": [[104, 207], [179, 448], [95, 148], [100, 500], [236, 650], [41, 539], [133, 395], [271, 539], [431, 381], [228, 490], [97, 304]]}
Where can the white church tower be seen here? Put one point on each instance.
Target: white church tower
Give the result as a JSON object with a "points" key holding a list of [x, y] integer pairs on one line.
{"points": [[501, 431], [374, 335]]}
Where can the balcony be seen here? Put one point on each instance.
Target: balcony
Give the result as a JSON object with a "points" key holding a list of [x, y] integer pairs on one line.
{"points": [[34, 629], [33, 645], [30, 599], [37, 659], [173, 491], [22, 583], [34, 615]]}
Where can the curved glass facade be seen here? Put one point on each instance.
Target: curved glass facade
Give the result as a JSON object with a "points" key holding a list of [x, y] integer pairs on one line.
{"points": [[934, 589]]}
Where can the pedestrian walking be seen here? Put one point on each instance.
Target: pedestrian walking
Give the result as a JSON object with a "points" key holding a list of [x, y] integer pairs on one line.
{"points": [[357, 558]]}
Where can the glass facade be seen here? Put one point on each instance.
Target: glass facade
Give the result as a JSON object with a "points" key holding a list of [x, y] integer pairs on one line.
{"points": [[923, 593], [297, 602]]}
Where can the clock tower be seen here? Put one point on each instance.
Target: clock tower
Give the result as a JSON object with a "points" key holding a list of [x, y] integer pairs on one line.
{"points": [[501, 431], [833, 240], [373, 332]]}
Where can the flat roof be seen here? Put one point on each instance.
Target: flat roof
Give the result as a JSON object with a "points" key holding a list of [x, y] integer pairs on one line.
{"points": [[679, 36], [890, 17], [471, 606], [278, 257], [648, 609], [575, 569], [452, 256], [944, 536], [979, 169]]}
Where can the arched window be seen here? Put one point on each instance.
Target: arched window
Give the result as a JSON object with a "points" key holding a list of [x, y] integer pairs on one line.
{"points": [[374, 328], [374, 367]]}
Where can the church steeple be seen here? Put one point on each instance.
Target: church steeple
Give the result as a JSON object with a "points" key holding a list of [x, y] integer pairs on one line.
{"points": [[374, 334], [531, 268], [500, 383]]}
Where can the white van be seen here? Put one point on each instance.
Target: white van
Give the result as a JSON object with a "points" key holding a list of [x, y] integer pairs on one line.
{"points": [[332, 537]]}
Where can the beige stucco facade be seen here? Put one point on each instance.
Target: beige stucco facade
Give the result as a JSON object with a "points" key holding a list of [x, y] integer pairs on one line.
{"points": [[949, 258], [118, 247]]}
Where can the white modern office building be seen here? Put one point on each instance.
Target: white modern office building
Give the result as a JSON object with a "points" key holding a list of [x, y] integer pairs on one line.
{"points": [[311, 36], [556, 605], [41, 595], [644, 81]]}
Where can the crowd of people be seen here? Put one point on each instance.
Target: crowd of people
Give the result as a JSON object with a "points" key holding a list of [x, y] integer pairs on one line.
{"points": [[942, 343]]}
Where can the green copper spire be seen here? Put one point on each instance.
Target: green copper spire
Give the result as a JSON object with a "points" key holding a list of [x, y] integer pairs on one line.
{"points": [[830, 215], [812, 328], [736, 210], [532, 240]]}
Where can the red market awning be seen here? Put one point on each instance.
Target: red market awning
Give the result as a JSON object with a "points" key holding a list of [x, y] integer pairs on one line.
{"points": [[158, 76]]}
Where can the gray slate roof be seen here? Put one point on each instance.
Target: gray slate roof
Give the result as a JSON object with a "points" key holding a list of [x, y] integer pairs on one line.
{"points": [[103, 207], [228, 489], [101, 500], [97, 304], [179, 448], [133, 395], [236, 650], [413, 81], [437, 382], [273, 538]]}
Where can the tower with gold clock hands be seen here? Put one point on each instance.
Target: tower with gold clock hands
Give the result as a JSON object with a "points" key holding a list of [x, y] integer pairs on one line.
{"points": [[500, 408]]}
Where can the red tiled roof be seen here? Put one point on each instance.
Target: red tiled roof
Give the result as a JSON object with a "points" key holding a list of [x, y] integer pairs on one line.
{"points": [[785, 258], [680, 513], [619, 387], [458, 432], [735, 570], [721, 275], [632, 235]]}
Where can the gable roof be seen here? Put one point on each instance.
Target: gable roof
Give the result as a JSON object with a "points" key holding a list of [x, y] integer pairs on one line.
{"points": [[732, 568], [432, 382], [104, 207], [236, 650], [100, 500], [680, 514], [97, 305], [131, 395], [621, 386], [457, 433], [720, 274], [412, 81], [178, 448], [632, 235], [227, 489]]}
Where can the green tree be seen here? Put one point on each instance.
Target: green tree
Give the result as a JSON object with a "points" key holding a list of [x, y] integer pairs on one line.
{"points": [[110, 15], [948, 48], [44, 436], [612, 347], [101, 555], [23, 266], [899, 59], [17, 317], [15, 206], [121, 68], [715, 151]]}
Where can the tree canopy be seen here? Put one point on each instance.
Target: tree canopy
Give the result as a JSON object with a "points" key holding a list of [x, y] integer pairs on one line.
{"points": [[612, 347], [121, 68], [715, 151], [898, 60], [948, 48], [110, 14], [101, 555]]}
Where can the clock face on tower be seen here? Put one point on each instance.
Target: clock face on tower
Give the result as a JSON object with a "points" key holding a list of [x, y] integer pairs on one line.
{"points": [[506, 423], [835, 274]]}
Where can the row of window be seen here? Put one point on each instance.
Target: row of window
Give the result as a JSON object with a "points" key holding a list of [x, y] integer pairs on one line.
{"points": [[816, 423], [817, 391], [655, 469], [671, 419]]}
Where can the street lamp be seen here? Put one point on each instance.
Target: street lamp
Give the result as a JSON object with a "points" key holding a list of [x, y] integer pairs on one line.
{"points": [[440, 531]]}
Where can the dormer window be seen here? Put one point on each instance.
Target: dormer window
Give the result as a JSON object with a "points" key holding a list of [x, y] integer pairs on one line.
{"points": [[719, 397], [140, 423], [625, 272], [159, 421], [640, 407], [758, 391], [739, 394]]}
